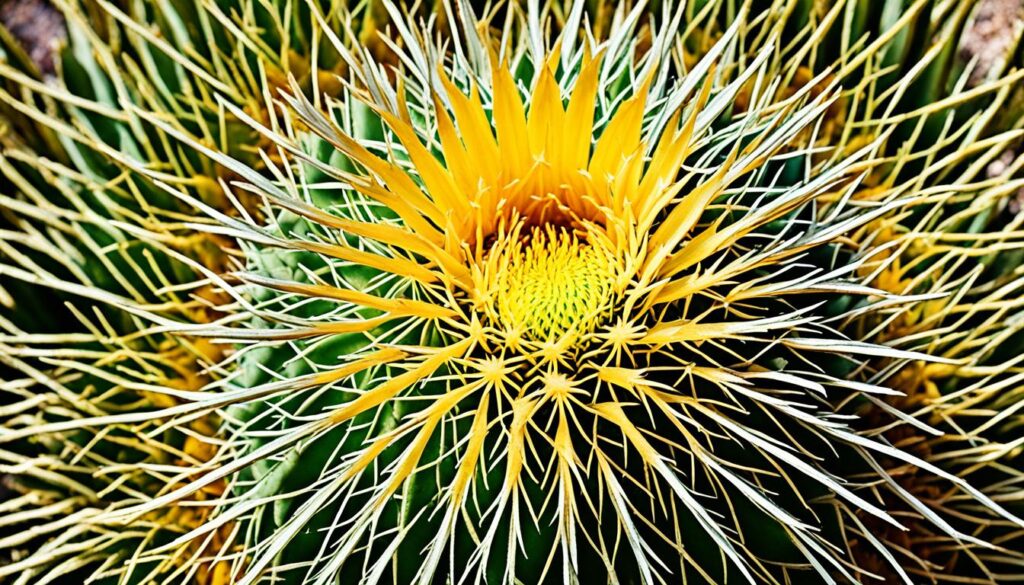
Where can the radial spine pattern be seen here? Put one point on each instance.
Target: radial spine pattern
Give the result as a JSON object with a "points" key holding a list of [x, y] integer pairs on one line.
{"points": [[535, 295]]}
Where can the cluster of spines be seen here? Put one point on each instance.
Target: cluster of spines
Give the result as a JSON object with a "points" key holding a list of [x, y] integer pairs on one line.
{"points": [[933, 161]]}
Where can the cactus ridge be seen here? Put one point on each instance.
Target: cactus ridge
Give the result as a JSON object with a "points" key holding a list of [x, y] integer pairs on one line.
{"points": [[539, 293]]}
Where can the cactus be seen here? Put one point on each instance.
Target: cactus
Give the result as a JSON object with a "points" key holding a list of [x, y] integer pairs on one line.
{"points": [[522, 293]]}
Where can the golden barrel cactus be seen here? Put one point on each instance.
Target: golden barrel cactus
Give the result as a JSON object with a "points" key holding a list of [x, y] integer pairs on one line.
{"points": [[561, 292]]}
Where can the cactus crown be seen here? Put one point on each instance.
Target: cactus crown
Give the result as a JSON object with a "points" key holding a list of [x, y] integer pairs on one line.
{"points": [[537, 296]]}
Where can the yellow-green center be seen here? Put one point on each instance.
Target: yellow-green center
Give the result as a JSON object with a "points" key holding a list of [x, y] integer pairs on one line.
{"points": [[553, 283]]}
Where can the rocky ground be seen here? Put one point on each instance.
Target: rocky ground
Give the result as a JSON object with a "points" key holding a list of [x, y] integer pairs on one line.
{"points": [[991, 33], [37, 25]]}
